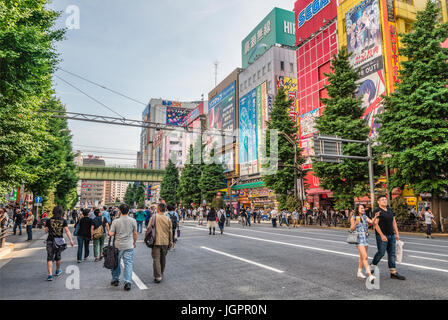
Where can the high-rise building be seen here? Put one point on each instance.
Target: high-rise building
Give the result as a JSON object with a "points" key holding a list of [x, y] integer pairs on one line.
{"points": [[93, 193]]}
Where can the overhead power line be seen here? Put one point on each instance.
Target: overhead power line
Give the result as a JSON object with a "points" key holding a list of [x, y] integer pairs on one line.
{"points": [[97, 101], [103, 87]]}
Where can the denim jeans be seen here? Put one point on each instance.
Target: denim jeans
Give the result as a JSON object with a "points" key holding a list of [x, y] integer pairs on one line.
{"points": [[15, 227], [83, 242], [248, 221], [128, 261], [428, 229], [140, 226], [29, 231], [390, 247]]}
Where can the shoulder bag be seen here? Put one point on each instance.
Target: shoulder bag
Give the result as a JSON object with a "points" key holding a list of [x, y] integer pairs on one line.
{"points": [[110, 254], [352, 237], [150, 236]]}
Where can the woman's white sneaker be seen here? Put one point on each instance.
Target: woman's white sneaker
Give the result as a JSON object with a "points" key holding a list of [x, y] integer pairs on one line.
{"points": [[372, 278], [361, 275]]}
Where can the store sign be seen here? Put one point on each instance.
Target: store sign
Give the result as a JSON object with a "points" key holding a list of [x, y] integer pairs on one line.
{"points": [[394, 44], [311, 15], [411, 201], [311, 10]]}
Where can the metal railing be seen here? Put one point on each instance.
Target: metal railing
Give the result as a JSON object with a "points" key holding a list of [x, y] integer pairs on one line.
{"points": [[3, 234]]}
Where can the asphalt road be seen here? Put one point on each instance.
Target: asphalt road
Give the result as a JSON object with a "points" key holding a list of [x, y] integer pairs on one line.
{"points": [[259, 262]]}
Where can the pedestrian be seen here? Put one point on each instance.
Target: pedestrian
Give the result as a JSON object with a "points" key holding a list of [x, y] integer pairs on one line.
{"points": [[163, 241], [124, 231], [99, 230], [140, 217], [386, 236], [249, 214], [55, 228], [429, 220], [201, 216], [17, 221], [284, 219], [360, 222], [174, 217], [221, 219], [148, 215], [29, 226], [84, 235], [211, 221], [295, 217], [92, 214], [228, 214], [106, 215], [274, 218]]}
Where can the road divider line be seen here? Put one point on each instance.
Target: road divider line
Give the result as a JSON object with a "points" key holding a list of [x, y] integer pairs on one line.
{"points": [[139, 283], [323, 250], [425, 258], [244, 260]]}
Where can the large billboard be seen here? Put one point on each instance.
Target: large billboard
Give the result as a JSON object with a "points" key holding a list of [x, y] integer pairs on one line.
{"points": [[289, 85], [176, 116], [277, 27], [248, 147], [221, 110], [311, 15], [364, 42]]}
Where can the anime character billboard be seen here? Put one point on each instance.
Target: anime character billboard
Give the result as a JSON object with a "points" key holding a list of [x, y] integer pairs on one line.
{"points": [[364, 42], [248, 134]]}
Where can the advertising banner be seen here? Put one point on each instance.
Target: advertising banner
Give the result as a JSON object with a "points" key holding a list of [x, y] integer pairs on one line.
{"points": [[364, 41], [176, 116], [221, 110], [248, 146], [228, 161], [307, 123], [307, 146]]}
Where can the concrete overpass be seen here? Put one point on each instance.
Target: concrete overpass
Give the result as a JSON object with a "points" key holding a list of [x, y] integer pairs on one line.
{"points": [[120, 174]]}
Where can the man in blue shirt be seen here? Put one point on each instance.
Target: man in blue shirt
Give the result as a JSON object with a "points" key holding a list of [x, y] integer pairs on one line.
{"points": [[148, 216], [106, 215], [172, 214]]}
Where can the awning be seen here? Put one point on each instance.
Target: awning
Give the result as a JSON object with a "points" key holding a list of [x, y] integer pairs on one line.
{"points": [[252, 185]]}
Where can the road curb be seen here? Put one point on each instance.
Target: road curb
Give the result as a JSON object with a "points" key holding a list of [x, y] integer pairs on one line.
{"points": [[9, 247]]}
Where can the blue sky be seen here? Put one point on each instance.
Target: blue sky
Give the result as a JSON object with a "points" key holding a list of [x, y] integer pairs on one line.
{"points": [[147, 49]]}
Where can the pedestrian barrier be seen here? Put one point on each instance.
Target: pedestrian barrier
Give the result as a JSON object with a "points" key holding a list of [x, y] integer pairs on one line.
{"points": [[3, 234]]}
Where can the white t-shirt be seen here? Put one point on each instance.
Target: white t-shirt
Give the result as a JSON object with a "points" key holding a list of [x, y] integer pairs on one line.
{"points": [[124, 228], [428, 218]]}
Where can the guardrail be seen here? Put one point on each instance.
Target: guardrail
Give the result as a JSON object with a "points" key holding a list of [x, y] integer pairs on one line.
{"points": [[3, 234]]}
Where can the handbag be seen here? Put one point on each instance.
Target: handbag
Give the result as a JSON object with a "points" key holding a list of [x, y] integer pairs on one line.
{"points": [[352, 237], [110, 254], [98, 232], [150, 236], [399, 252], [59, 244]]}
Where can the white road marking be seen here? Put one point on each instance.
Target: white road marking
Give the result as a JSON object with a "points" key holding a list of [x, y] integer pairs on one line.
{"points": [[432, 259], [244, 260], [322, 250], [431, 253], [136, 279]]}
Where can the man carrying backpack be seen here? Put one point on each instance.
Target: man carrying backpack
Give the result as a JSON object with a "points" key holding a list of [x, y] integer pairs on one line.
{"points": [[100, 226], [174, 217]]}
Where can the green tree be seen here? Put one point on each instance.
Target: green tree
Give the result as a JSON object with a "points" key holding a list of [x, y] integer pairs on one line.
{"points": [[414, 127], [282, 182], [342, 117], [139, 197], [170, 183], [188, 191], [212, 178], [27, 61], [129, 196]]}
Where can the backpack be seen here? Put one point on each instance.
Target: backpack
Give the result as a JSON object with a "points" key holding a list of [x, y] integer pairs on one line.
{"points": [[110, 254], [150, 235], [98, 232], [173, 220]]}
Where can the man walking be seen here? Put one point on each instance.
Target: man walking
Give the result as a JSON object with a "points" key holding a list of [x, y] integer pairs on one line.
{"points": [[17, 221], [124, 230], [429, 220], [174, 217], [163, 241], [386, 231], [105, 214], [29, 225]]}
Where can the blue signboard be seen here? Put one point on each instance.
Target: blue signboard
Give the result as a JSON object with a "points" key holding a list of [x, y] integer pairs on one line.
{"points": [[248, 133]]}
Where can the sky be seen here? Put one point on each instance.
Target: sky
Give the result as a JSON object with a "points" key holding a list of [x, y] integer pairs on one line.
{"points": [[146, 49]]}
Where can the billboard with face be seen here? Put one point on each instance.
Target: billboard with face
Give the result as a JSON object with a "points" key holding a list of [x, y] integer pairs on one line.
{"points": [[248, 146], [364, 42]]}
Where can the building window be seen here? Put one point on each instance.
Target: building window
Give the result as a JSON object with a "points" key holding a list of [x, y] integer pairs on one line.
{"points": [[291, 67], [264, 70], [282, 65], [259, 74], [253, 78], [269, 66]]}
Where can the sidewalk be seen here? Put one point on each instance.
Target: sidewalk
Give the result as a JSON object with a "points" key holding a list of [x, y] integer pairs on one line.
{"points": [[16, 242]]}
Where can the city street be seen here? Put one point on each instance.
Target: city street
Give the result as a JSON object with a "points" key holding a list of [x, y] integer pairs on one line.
{"points": [[251, 263]]}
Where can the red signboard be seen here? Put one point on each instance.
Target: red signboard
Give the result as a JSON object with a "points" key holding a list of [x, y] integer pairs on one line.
{"points": [[311, 15]]}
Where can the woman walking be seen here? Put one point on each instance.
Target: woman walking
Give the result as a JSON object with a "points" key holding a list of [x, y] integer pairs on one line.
{"points": [[84, 234], [359, 222], [98, 230], [221, 220], [211, 221]]}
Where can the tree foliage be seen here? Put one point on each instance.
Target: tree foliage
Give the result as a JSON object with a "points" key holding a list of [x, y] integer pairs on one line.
{"points": [[212, 178], [170, 183], [342, 117], [414, 127], [188, 191], [282, 182]]}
